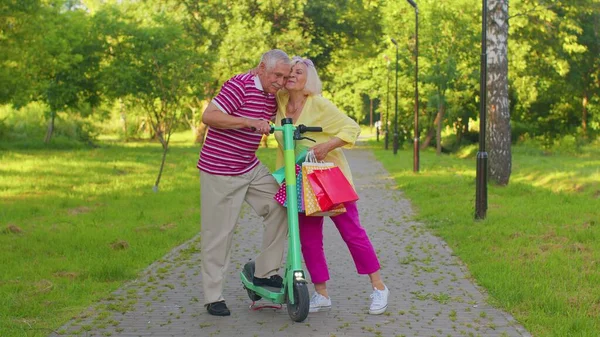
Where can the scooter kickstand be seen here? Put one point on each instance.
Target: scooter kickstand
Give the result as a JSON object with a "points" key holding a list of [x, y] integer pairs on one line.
{"points": [[255, 307]]}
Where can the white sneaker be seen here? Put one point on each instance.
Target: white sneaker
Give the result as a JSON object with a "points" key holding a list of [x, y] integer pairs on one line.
{"points": [[380, 301], [319, 302]]}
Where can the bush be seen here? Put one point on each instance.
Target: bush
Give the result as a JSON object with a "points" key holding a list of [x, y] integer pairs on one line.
{"points": [[29, 124]]}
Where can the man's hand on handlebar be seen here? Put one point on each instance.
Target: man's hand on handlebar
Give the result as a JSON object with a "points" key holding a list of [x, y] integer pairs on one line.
{"points": [[259, 126]]}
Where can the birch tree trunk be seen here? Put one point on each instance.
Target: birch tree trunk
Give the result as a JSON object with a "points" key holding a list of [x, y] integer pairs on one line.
{"points": [[498, 123]]}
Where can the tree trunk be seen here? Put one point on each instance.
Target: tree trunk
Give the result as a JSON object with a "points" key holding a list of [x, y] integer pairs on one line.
{"points": [[50, 129], [200, 133], [162, 165], [498, 123], [428, 138], [371, 113], [438, 128], [123, 119], [431, 131], [584, 115]]}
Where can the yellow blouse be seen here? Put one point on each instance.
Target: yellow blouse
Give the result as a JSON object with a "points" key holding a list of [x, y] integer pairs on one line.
{"points": [[319, 111]]}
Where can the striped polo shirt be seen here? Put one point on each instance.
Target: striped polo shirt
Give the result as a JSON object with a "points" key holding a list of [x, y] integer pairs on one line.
{"points": [[231, 152]]}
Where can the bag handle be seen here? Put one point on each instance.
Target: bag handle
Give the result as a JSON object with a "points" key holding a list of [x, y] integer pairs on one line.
{"points": [[310, 157]]}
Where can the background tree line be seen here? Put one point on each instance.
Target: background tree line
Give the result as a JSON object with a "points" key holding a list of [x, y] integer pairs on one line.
{"points": [[77, 68]]}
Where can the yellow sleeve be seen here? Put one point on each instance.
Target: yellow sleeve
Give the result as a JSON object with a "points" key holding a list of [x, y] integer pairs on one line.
{"points": [[336, 123], [281, 102]]}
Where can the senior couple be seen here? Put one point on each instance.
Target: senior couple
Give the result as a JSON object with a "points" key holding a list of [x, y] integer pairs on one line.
{"points": [[230, 173]]}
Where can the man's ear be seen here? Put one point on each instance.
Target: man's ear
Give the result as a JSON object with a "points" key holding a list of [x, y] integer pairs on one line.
{"points": [[261, 69]]}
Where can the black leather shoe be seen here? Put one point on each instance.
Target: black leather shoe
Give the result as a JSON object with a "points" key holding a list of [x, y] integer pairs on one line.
{"points": [[218, 309], [274, 281]]}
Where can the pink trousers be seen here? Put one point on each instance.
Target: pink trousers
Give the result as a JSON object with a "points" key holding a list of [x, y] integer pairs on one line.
{"points": [[355, 236]]}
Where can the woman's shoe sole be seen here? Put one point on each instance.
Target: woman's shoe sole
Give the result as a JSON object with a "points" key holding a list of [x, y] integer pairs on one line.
{"points": [[378, 311], [319, 309]]}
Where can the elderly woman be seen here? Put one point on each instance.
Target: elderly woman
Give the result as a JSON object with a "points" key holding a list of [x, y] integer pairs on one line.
{"points": [[301, 101]]}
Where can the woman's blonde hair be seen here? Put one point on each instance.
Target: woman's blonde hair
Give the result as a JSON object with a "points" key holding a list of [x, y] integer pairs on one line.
{"points": [[313, 84]]}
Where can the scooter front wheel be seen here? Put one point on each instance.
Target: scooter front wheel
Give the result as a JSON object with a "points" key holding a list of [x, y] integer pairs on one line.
{"points": [[299, 310]]}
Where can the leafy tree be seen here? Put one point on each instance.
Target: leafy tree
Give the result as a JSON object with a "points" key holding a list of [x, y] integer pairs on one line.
{"points": [[57, 67], [356, 62], [155, 65], [583, 79], [73, 53], [18, 42], [545, 45]]}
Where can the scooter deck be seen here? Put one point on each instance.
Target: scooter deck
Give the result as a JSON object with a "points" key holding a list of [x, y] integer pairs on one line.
{"points": [[275, 295]]}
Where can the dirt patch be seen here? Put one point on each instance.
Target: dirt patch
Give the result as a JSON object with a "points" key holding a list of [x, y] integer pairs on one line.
{"points": [[43, 286], [119, 245], [12, 229], [578, 248], [167, 226], [594, 310], [79, 210], [66, 274]]}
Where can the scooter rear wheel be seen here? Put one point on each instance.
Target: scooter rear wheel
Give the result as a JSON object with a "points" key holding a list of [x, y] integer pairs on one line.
{"points": [[299, 310]]}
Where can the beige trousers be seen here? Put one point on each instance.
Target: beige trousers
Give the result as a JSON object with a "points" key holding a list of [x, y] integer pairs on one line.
{"points": [[222, 198]]}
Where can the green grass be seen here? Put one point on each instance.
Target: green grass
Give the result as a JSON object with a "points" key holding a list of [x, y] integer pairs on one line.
{"points": [[75, 225], [537, 252]]}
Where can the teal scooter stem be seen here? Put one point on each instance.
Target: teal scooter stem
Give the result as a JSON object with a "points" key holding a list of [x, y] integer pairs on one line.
{"points": [[295, 291]]}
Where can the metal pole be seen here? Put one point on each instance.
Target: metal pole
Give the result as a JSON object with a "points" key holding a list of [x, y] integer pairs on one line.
{"points": [[416, 122], [387, 105], [481, 203], [396, 111]]}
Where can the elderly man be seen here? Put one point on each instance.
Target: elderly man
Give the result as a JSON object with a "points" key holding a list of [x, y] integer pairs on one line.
{"points": [[230, 173]]}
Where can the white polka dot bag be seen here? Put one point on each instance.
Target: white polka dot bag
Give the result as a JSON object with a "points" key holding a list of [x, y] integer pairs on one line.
{"points": [[281, 195]]}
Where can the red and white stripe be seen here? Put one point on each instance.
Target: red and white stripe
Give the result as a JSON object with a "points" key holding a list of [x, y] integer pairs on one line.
{"points": [[233, 151]]}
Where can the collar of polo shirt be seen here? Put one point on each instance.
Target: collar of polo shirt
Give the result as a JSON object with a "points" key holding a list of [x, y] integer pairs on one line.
{"points": [[258, 84]]}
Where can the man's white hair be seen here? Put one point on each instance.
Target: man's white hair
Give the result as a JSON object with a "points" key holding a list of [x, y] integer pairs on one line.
{"points": [[273, 56]]}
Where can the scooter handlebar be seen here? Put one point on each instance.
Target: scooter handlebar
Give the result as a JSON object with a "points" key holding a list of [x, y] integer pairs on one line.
{"points": [[301, 128], [304, 128], [270, 131]]}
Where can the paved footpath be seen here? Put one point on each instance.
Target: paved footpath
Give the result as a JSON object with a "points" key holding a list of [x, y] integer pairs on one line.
{"points": [[431, 295]]}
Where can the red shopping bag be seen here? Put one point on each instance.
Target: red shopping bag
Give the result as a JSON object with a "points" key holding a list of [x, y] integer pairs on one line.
{"points": [[335, 185], [323, 200]]}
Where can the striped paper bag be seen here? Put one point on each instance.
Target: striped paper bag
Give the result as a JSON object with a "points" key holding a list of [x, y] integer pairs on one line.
{"points": [[311, 205]]}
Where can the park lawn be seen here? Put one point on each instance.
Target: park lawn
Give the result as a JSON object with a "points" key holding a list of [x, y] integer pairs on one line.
{"points": [[537, 252], [75, 224]]}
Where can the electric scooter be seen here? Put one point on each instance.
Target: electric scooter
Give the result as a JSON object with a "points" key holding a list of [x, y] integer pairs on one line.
{"points": [[295, 291]]}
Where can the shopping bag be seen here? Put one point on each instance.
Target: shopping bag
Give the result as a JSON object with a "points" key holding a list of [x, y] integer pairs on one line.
{"points": [[279, 175], [281, 195], [311, 205], [323, 199], [334, 185]]}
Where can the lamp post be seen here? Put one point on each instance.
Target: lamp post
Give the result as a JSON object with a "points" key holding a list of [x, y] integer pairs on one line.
{"points": [[481, 174], [416, 135], [395, 145], [387, 103]]}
